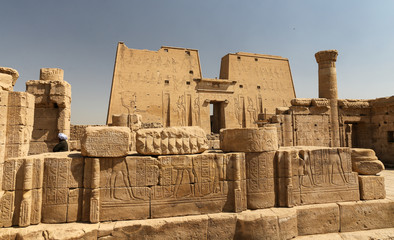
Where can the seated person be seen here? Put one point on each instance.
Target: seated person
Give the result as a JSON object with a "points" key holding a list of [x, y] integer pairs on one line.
{"points": [[62, 146]]}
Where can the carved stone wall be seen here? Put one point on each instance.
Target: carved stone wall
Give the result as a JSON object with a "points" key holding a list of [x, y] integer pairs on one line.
{"points": [[311, 175], [167, 87], [52, 109]]}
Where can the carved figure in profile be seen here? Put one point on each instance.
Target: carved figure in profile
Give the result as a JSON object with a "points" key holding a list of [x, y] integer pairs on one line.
{"points": [[196, 112], [251, 110], [238, 111], [305, 169], [129, 101], [181, 109]]}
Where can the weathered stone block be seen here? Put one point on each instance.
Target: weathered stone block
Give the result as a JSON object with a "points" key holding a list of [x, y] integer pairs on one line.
{"points": [[172, 140], [221, 226], [260, 179], [318, 219], [19, 134], [7, 208], [365, 215], [188, 227], [21, 99], [249, 139], [20, 116], [105, 142], [259, 224], [372, 187], [287, 219], [16, 150], [301, 102], [8, 77], [311, 175], [51, 74], [368, 167], [60, 88]]}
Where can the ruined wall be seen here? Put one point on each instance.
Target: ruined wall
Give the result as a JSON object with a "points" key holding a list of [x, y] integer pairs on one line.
{"points": [[52, 109], [382, 121], [263, 82], [16, 118]]}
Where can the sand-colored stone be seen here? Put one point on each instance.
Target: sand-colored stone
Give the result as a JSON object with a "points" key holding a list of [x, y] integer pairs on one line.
{"points": [[311, 175], [8, 77], [317, 219], [173, 140], [51, 74], [221, 226], [105, 142], [287, 219], [260, 179], [178, 95], [372, 187], [52, 111], [365, 162], [365, 215], [259, 224], [249, 139]]}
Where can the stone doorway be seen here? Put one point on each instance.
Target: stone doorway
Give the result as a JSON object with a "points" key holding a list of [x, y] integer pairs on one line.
{"points": [[217, 116]]}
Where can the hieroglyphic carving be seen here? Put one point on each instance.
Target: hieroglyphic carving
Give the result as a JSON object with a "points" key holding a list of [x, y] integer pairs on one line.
{"points": [[35, 217], [95, 197], [105, 142], [238, 111], [249, 139], [173, 140], [129, 101], [316, 175], [181, 110], [252, 111], [6, 209], [196, 112], [260, 179]]}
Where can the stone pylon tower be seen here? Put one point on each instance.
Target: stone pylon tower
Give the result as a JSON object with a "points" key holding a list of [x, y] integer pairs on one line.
{"points": [[328, 88]]}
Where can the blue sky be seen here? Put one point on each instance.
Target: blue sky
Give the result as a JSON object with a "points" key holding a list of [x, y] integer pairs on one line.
{"points": [[81, 38]]}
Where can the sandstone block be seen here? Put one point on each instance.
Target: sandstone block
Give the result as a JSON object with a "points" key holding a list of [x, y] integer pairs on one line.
{"points": [[8, 77], [172, 140], [311, 175], [21, 99], [188, 227], [371, 187], [260, 179], [61, 100], [20, 116], [318, 219], [259, 224], [62, 88], [249, 139], [105, 142], [221, 226], [16, 150], [51, 74], [368, 167], [365, 215], [19, 134], [287, 220], [301, 102]]}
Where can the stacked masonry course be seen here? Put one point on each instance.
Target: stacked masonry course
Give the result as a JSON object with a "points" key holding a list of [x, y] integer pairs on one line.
{"points": [[259, 184]]}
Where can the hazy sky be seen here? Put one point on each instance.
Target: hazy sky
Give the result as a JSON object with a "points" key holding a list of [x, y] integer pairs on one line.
{"points": [[80, 36]]}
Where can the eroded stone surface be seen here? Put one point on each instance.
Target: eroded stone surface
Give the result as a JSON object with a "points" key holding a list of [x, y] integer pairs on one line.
{"points": [[173, 140], [365, 162], [372, 187], [8, 77], [105, 142], [249, 139]]}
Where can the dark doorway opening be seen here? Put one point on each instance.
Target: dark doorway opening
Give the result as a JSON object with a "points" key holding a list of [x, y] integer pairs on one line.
{"points": [[217, 116]]}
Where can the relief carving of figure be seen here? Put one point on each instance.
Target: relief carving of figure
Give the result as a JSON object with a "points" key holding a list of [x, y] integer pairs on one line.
{"points": [[129, 101], [181, 110], [196, 112], [238, 111], [252, 111]]}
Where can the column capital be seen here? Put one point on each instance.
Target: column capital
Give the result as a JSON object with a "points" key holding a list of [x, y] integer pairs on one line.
{"points": [[326, 56]]}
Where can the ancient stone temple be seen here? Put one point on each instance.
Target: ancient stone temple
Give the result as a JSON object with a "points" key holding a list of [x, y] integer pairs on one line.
{"points": [[167, 87], [293, 174]]}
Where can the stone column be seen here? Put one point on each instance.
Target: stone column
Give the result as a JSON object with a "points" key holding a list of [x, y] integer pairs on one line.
{"points": [[328, 88]]}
